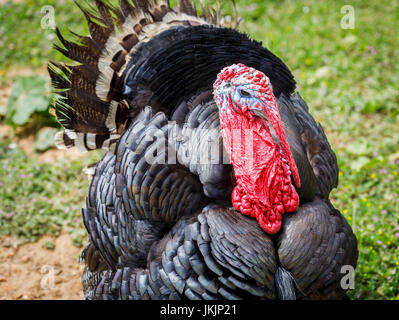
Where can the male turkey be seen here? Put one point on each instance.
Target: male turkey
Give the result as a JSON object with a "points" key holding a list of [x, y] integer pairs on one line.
{"points": [[175, 99]]}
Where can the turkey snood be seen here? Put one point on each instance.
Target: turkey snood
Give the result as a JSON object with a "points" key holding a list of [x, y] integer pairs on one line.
{"points": [[263, 167]]}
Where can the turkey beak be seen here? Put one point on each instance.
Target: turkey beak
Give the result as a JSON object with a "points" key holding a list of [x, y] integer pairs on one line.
{"points": [[270, 113]]}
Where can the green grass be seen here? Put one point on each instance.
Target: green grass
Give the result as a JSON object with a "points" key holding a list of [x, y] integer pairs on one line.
{"points": [[39, 198], [349, 78]]}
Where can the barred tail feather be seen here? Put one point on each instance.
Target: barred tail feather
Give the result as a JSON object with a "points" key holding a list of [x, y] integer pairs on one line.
{"points": [[90, 100], [83, 141]]}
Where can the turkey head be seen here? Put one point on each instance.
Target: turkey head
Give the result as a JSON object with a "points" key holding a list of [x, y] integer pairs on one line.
{"points": [[263, 165]]}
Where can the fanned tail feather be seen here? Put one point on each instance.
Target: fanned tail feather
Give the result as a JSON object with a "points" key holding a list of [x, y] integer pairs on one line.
{"points": [[90, 104]]}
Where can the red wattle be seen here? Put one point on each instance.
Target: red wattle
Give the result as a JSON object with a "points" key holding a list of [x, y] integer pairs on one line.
{"points": [[264, 190]]}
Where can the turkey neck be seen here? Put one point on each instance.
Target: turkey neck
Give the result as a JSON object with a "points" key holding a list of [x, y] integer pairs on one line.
{"points": [[198, 54]]}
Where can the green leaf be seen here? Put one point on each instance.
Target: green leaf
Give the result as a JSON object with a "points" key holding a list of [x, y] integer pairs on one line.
{"points": [[394, 156], [359, 163], [29, 94], [372, 106], [321, 73], [49, 245], [45, 139], [360, 148], [349, 39]]}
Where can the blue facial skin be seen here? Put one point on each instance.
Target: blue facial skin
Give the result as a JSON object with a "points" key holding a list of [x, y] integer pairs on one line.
{"points": [[246, 97], [241, 95]]}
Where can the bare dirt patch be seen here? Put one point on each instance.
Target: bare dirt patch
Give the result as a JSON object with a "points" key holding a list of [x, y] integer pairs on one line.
{"points": [[30, 271], [26, 144], [4, 94], [5, 131]]}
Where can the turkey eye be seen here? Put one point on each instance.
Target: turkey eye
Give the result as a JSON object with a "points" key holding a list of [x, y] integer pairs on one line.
{"points": [[244, 93]]}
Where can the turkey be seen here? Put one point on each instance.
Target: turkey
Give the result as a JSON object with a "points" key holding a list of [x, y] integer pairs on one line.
{"points": [[216, 179]]}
